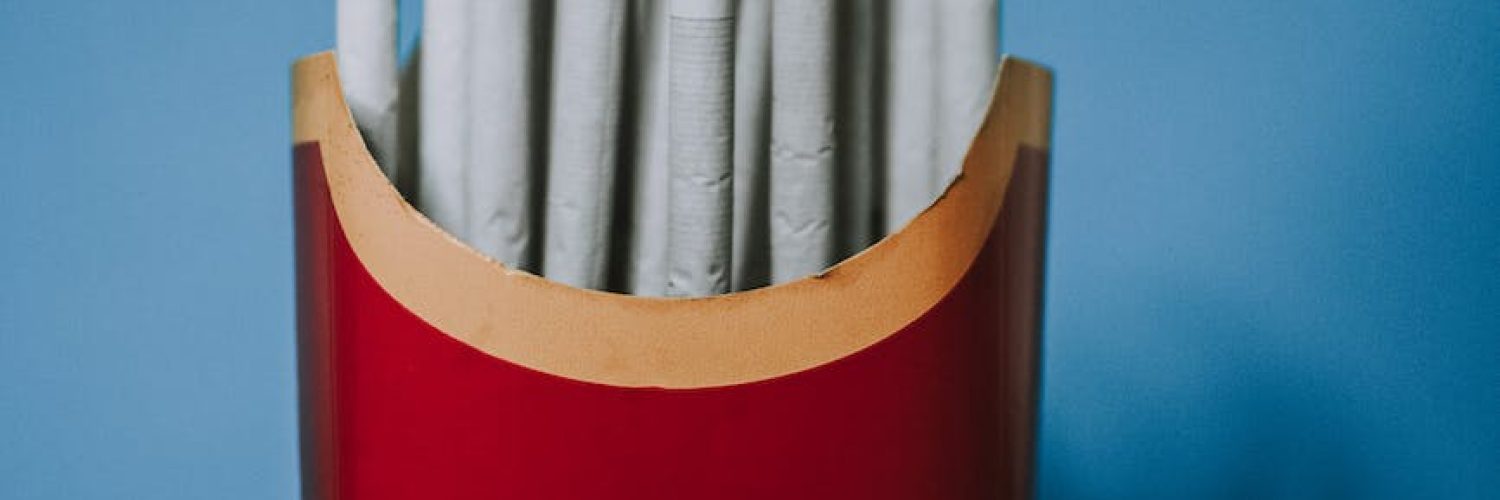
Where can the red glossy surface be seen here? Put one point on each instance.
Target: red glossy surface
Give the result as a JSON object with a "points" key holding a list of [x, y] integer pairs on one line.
{"points": [[395, 409]]}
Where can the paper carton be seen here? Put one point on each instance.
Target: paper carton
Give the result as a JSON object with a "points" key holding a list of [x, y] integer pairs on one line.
{"points": [[906, 371]]}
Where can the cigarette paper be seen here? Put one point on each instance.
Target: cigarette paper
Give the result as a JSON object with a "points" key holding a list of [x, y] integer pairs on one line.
{"points": [[366, 31], [701, 123], [802, 138], [966, 49], [911, 111], [444, 113], [751, 259], [645, 261], [501, 120], [409, 126], [858, 160], [587, 70]]}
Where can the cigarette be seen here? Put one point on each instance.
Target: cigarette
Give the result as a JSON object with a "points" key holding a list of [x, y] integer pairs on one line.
{"points": [[366, 31], [802, 138], [501, 117], [751, 258], [645, 260], [911, 111], [585, 109], [701, 125], [859, 169], [444, 113], [966, 49], [409, 128]]}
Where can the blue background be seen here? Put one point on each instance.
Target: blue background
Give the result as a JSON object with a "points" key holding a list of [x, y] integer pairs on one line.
{"points": [[1273, 267]]}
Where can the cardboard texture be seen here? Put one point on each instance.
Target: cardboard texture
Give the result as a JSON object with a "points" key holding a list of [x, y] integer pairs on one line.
{"points": [[431, 371]]}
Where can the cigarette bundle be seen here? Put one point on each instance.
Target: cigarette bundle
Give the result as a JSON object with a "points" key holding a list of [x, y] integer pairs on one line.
{"points": [[673, 147]]}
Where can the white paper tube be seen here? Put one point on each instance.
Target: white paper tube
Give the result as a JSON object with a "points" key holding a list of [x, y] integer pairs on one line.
{"points": [[444, 113], [802, 138], [858, 159], [646, 74], [409, 126], [587, 65], [966, 47], [751, 259], [911, 111], [366, 31], [701, 123], [501, 116]]}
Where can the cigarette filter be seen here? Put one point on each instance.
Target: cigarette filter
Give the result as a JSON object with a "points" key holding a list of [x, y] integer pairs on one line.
{"points": [[906, 371]]}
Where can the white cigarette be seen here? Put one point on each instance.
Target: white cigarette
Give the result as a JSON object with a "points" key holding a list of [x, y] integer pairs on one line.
{"points": [[366, 31], [751, 259], [408, 119], [966, 49], [802, 138], [587, 64], [501, 117], [701, 123], [858, 167], [444, 113], [911, 111], [645, 265]]}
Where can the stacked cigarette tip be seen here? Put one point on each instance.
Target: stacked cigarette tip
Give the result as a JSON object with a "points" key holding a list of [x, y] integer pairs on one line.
{"points": [[671, 147]]}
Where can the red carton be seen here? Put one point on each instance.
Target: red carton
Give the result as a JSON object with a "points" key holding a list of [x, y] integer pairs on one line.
{"points": [[906, 371]]}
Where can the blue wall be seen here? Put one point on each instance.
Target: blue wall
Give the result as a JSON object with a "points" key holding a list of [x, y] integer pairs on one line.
{"points": [[1275, 254], [1275, 238]]}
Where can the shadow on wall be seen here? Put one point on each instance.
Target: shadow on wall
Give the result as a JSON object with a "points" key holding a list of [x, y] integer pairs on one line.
{"points": [[1231, 408]]}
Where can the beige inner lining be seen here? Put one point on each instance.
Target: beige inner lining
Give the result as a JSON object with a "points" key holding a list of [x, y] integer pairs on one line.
{"points": [[630, 341]]}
